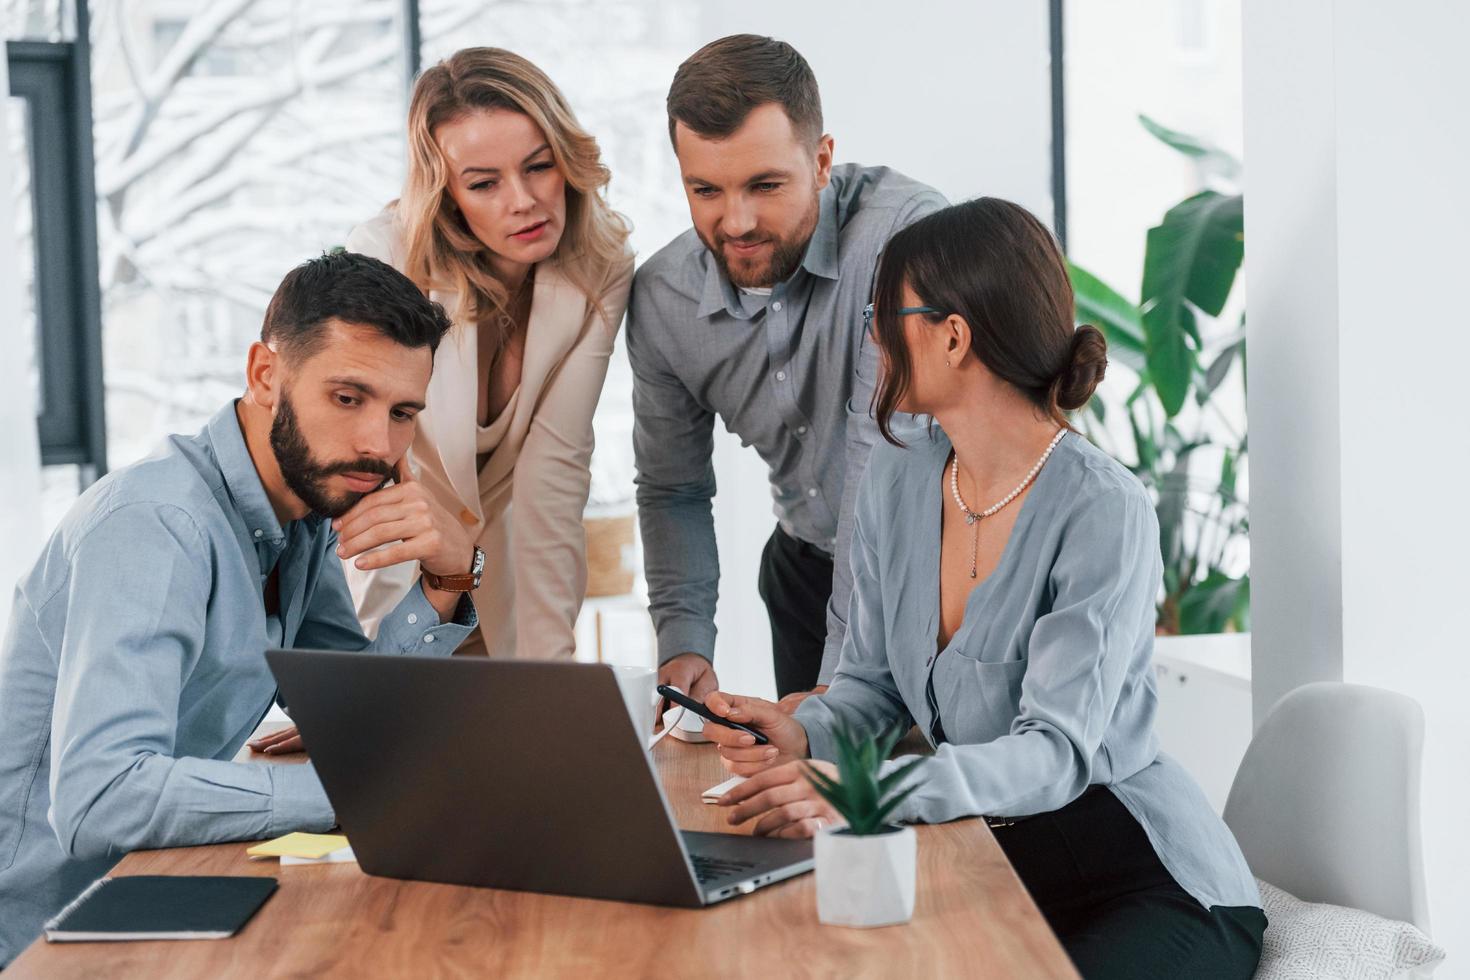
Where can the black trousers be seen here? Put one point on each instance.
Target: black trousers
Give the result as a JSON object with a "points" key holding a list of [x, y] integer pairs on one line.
{"points": [[795, 584], [1117, 910]]}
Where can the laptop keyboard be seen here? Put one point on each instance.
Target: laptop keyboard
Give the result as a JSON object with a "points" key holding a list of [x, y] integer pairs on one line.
{"points": [[708, 869]]}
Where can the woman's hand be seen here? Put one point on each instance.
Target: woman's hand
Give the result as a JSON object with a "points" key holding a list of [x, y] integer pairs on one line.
{"points": [[786, 802], [280, 742], [738, 751]]}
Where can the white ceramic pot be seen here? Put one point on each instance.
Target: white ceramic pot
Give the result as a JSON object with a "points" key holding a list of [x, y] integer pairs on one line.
{"points": [[866, 881]]}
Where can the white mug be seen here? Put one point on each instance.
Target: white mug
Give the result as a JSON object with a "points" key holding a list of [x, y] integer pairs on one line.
{"points": [[639, 687]]}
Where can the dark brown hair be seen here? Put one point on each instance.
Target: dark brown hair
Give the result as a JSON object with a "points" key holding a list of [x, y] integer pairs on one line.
{"points": [[353, 288], [991, 262], [721, 83]]}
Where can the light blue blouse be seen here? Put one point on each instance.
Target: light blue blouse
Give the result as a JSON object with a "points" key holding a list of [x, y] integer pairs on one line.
{"points": [[1047, 687]]}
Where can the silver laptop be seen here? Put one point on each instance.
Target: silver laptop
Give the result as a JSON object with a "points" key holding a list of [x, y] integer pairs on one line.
{"points": [[507, 774]]}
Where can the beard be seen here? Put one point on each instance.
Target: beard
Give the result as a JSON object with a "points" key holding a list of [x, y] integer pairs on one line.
{"points": [[786, 253], [306, 477]]}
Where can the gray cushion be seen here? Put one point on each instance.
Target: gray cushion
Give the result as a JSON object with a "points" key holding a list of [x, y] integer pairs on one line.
{"points": [[1310, 940]]}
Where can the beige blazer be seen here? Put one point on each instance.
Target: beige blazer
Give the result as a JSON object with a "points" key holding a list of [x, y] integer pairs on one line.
{"points": [[525, 507]]}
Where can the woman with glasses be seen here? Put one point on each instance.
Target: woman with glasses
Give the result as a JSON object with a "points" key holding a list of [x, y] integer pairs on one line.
{"points": [[1005, 574], [503, 220]]}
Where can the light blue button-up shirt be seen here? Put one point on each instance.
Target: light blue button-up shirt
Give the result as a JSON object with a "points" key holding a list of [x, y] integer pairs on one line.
{"points": [[133, 670], [791, 374], [1047, 687]]}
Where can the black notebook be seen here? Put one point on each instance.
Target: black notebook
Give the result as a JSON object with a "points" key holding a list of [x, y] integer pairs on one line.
{"points": [[160, 907]]}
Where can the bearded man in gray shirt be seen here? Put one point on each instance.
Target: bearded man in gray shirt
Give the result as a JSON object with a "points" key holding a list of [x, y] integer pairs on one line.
{"points": [[756, 315]]}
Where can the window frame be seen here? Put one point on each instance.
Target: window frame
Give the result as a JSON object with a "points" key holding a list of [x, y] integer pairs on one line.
{"points": [[54, 79]]}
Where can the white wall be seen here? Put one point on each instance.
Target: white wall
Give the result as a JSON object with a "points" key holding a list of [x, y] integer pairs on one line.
{"points": [[20, 465], [953, 93], [1356, 132], [1293, 404]]}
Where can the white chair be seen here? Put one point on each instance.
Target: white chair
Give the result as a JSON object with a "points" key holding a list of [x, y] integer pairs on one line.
{"points": [[1325, 803], [1325, 806]]}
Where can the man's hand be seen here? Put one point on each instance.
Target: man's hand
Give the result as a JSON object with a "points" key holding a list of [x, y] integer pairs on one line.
{"points": [[791, 701], [424, 531], [690, 673], [738, 751], [280, 742]]}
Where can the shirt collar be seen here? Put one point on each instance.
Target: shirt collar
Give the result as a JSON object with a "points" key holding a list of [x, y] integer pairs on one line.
{"points": [[821, 259], [241, 478]]}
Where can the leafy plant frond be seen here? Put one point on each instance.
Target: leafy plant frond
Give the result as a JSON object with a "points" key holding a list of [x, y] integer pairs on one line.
{"points": [[894, 779], [858, 793], [1192, 146], [1173, 340], [892, 804]]}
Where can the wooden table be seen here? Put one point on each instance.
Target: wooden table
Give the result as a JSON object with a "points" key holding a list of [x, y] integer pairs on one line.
{"points": [[972, 918]]}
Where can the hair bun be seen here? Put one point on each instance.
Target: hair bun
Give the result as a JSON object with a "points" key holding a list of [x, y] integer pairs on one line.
{"points": [[1086, 365]]}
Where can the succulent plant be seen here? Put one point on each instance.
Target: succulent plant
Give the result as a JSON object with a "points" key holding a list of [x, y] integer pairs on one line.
{"points": [[864, 799]]}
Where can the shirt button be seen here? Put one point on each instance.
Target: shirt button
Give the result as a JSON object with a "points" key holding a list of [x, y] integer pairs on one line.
{"points": [[776, 306], [801, 430], [812, 492], [413, 618], [259, 533], [428, 637], [780, 376]]}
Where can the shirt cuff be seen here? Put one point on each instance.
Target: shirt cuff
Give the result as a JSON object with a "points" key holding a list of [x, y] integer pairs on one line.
{"points": [[818, 721], [686, 636], [298, 801], [413, 626]]}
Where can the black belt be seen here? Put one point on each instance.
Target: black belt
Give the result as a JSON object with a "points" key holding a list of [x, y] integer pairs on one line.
{"points": [[996, 822]]}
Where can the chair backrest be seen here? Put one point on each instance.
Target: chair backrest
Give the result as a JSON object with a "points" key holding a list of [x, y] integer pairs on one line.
{"points": [[1325, 803]]}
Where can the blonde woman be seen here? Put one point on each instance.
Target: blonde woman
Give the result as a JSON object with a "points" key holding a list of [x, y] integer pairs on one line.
{"points": [[503, 221]]}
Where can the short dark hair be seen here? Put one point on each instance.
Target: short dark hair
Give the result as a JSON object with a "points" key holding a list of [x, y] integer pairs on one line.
{"points": [[721, 83], [353, 288], [993, 263]]}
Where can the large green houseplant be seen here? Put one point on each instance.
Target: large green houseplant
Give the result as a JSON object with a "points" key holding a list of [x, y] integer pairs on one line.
{"points": [[1187, 451]]}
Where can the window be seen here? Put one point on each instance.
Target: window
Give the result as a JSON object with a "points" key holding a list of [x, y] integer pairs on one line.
{"points": [[614, 70], [233, 141], [1183, 71], [38, 20], [48, 131]]}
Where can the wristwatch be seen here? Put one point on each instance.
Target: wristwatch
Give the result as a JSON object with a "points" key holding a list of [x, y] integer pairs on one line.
{"points": [[468, 582]]}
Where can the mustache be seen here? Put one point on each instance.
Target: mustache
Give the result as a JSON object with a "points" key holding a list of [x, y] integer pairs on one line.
{"points": [[750, 238], [364, 464]]}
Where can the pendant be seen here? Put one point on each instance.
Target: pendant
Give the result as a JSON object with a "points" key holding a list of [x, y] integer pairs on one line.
{"points": [[971, 518]]}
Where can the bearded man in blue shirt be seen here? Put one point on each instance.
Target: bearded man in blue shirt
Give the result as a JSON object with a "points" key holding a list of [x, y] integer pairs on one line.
{"points": [[133, 668]]}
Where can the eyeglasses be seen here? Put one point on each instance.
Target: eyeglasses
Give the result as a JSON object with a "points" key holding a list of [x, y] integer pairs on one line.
{"points": [[901, 311]]}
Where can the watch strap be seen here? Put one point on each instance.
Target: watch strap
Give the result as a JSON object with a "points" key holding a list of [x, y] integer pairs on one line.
{"points": [[467, 582]]}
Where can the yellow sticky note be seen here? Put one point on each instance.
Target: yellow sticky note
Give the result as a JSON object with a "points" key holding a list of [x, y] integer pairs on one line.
{"points": [[299, 845]]}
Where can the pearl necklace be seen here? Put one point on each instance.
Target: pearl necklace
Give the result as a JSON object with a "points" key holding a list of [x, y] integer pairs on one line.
{"points": [[971, 517]]}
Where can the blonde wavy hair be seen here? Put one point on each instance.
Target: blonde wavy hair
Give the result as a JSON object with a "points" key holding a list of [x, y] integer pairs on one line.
{"points": [[442, 252]]}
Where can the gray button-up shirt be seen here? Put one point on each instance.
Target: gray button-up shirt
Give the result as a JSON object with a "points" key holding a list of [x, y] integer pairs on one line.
{"points": [[133, 670], [791, 374]]}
